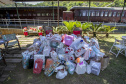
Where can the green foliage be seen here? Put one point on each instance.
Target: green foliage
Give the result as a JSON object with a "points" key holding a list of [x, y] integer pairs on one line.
{"points": [[95, 28], [108, 29], [59, 29], [69, 25], [78, 24], [86, 25]]}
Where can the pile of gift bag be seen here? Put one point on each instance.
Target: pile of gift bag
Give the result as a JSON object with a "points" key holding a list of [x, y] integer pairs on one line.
{"points": [[64, 54]]}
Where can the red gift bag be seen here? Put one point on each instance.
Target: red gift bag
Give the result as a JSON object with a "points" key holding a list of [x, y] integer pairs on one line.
{"points": [[40, 33], [25, 33], [38, 66], [76, 32]]}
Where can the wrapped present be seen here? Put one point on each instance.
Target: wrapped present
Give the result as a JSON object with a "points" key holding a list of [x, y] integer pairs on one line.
{"points": [[49, 71]]}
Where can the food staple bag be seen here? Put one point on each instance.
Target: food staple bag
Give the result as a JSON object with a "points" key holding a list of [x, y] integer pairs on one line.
{"points": [[49, 62], [104, 62], [69, 50], [68, 40], [49, 71]]}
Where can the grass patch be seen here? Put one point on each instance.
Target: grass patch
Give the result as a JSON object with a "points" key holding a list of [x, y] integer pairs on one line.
{"points": [[115, 73]]}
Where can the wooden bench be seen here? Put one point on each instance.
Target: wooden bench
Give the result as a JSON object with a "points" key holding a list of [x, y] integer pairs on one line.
{"points": [[11, 40]]}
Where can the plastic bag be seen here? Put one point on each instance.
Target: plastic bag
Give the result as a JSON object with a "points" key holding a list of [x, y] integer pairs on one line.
{"points": [[94, 42], [56, 37], [68, 40], [79, 52], [49, 36], [96, 66], [38, 66], [71, 67], [62, 57], [87, 54], [46, 50], [54, 55], [39, 56], [60, 50], [71, 58], [61, 74], [69, 50], [76, 44], [59, 68], [88, 68], [81, 68], [79, 60], [61, 45], [54, 44]]}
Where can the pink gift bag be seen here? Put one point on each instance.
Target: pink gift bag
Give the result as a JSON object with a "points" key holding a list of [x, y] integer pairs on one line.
{"points": [[68, 40]]}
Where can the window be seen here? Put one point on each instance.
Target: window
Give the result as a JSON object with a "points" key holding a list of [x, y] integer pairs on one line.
{"points": [[97, 13], [24, 14], [43, 14], [47, 14], [110, 14], [38, 14], [118, 14], [114, 14], [93, 13], [102, 13], [11, 15], [106, 13], [29, 14], [84, 13], [15, 14], [34, 14], [123, 14], [19, 14], [1, 15]]}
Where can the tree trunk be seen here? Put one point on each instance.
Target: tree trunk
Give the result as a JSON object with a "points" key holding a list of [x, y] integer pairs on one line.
{"points": [[94, 34], [107, 35], [69, 33]]}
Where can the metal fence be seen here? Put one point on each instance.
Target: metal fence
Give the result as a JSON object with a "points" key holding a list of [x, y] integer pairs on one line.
{"points": [[36, 22]]}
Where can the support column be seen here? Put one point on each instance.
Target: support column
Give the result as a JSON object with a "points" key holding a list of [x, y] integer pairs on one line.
{"points": [[53, 10], [17, 10], [89, 12], [122, 11], [58, 13]]}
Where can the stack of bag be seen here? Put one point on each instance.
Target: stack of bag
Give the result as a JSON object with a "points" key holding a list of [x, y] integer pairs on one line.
{"points": [[64, 54]]}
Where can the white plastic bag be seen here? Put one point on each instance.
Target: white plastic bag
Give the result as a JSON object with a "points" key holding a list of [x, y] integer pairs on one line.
{"points": [[56, 37], [88, 68], [61, 74], [46, 50], [59, 68], [79, 52], [69, 50], [81, 68], [95, 67], [54, 56], [71, 67]]}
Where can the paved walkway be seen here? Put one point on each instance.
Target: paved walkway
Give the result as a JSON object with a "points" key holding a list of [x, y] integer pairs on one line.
{"points": [[15, 56]]}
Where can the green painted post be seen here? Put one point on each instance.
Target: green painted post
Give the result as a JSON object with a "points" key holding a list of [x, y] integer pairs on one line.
{"points": [[53, 10], [89, 11], [17, 10], [122, 11]]}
